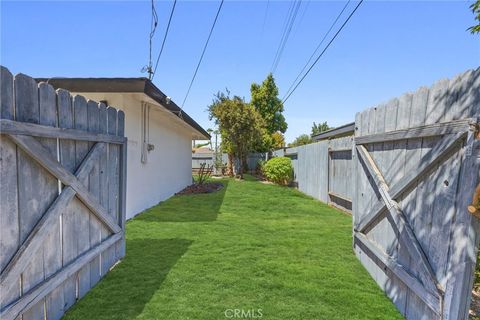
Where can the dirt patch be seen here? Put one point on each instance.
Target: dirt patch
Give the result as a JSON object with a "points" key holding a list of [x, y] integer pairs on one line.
{"points": [[208, 187]]}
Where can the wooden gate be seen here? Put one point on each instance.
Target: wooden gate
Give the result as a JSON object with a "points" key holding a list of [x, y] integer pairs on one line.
{"points": [[417, 163], [62, 208]]}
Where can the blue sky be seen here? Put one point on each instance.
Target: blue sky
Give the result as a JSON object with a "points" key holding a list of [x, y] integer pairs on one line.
{"points": [[389, 47]]}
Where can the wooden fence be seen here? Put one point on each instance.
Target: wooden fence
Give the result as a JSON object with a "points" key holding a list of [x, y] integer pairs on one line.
{"points": [[209, 158], [415, 168], [417, 163], [323, 170], [62, 208]]}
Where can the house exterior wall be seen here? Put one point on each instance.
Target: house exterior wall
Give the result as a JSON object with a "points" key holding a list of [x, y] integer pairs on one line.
{"points": [[169, 165]]}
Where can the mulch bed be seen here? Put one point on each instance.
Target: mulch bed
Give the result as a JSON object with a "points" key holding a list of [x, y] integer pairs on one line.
{"points": [[207, 187]]}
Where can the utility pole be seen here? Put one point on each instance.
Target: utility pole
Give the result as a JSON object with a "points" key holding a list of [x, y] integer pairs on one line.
{"points": [[216, 151]]}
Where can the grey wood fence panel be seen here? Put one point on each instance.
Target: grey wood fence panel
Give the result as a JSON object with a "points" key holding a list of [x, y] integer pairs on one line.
{"points": [[199, 159], [434, 206], [93, 120], [113, 186], [376, 124], [51, 255], [209, 159], [403, 110], [394, 288], [414, 203], [37, 209], [339, 189], [103, 166], [279, 153], [465, 231], [33, 201], [362, 196], [311, 165], [82, 214], [381, 231], [9, 215], [121, 245], [67, 159]]}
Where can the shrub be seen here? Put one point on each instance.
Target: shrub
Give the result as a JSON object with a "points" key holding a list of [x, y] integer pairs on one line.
{"points": [[204, 173], [259, 168], [279, 170]]}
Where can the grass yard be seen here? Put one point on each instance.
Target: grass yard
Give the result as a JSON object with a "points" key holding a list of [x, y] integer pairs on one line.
{"points": [[249, 246]]}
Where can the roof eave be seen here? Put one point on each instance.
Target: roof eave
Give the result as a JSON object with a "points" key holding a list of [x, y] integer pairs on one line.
{"points": [[128, 85]]}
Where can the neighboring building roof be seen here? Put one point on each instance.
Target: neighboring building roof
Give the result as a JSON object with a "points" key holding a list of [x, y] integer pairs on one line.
{"points": [[342, 131], [133, 85]]}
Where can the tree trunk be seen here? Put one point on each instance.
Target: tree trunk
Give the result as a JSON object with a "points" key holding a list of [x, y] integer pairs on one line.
{"points": [[230, 165], [244, 164], [239, 173]]}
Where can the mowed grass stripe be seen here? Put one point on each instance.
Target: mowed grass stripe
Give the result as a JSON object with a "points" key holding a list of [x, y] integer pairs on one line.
{"points": [[249, 246]]}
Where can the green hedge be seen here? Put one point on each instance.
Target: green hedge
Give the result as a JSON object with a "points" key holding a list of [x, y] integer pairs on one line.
{"points": [[279, 170]]}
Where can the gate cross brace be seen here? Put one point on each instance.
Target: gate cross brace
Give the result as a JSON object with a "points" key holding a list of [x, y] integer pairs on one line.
{"points": [[406, 234], [36, 238], [34, 149], [428, 161], [432, 299], [37, 293]]}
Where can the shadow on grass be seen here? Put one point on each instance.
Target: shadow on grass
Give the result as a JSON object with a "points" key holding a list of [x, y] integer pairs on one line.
{"points": [[249, 177], [125, 290], [187, 208]]}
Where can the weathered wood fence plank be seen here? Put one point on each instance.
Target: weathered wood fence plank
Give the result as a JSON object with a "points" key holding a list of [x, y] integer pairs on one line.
{"points": [[33, 201], [93, 114], [9, 214]]}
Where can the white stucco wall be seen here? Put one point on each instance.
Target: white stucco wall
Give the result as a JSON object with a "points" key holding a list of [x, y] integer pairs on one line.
{"points": [[169, 165]]}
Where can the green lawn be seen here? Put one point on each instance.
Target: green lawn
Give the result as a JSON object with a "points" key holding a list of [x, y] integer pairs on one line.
{"points": [[249, 246]]}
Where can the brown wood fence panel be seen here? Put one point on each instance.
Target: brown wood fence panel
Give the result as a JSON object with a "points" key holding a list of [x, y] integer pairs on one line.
{"points": [[62, 208], [417, 163]]}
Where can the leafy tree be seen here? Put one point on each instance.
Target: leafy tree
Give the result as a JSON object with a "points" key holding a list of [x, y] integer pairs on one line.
{"points": [[321, 127], [476, 11], [278, 140], [265, 100], [240, 126], [301, 140]]}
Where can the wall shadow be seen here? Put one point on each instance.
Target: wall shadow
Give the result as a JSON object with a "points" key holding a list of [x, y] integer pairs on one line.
{"points": [[127, 288], [187, 208]]}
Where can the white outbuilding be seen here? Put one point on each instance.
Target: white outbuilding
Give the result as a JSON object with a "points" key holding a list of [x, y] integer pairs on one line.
{"points": [[159, 133]]}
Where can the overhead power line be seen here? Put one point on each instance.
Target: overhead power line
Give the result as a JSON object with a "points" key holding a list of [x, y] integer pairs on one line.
{"points": [[164, 38], [286, 24], [318, 47], [203, 52], [321, 54], [304, 12], [285, 28], [293, 11], [265, 16]]}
